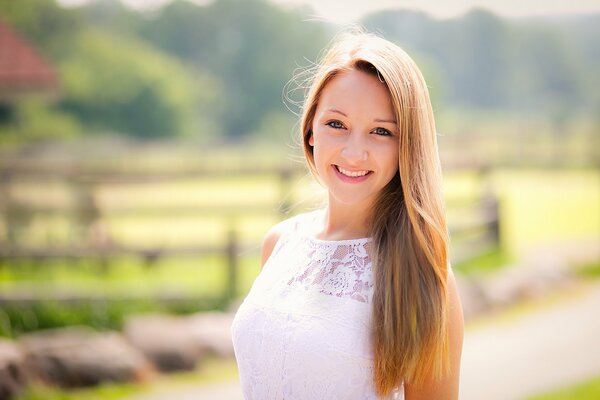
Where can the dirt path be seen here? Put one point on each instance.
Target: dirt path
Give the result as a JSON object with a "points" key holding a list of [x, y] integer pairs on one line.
{"points": [[535, 352], [503, 358]]}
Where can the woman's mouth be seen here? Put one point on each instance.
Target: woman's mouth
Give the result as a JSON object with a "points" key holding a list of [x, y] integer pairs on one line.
{"points": [[353, 176]]}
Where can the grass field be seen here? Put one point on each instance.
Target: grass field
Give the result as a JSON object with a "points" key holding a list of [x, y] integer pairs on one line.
{"points": [[542, 207]]}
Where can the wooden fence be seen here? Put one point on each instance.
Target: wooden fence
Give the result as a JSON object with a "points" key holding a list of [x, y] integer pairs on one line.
{"points": [[469, 237]]}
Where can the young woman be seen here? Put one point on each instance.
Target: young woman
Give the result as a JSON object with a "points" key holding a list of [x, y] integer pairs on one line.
{"points": [[357, 301]]}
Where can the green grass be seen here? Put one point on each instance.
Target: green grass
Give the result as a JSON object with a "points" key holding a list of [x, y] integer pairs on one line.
{"points": [[199, 275], [20, 318], [587, 390], [540, 207], [201, 282], [210, 370], [485, 263], [116, 274], [589, 271], [101, 392]]}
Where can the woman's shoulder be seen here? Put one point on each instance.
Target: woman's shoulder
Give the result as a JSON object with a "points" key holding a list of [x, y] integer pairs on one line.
{"points": [[292, 224], [271, 239]]}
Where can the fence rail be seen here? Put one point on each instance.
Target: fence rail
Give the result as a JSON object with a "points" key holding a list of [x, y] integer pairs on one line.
{"points": [[479, 235]]}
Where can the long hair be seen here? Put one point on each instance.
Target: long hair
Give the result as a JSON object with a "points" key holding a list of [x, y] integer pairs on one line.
{"points": [[408, 224]]}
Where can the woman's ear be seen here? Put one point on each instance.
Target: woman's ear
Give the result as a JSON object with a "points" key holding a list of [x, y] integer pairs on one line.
{"points": [[311, 139]]}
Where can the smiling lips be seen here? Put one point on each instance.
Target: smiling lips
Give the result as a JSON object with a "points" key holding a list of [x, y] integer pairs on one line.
{"points": [[351, 176]]}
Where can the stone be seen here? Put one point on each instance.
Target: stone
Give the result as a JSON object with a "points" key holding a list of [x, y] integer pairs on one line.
{"points": [[212, 332], [78, 356], [179, 342], [13, 372], [165, 340], [473, 298]]}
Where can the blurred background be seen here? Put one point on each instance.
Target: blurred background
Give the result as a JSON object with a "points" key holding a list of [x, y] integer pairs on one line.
{"points": [[147, 146]]}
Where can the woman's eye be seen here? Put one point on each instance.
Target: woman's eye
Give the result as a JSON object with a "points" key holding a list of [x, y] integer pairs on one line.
{"points": [[335, 124], [382, 132]]}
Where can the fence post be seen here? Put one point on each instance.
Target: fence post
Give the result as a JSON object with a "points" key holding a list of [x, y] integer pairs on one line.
{"points": [[9, 239], [86, 218], [232, 270], [285, 178], [492, 210], [490, 204]]}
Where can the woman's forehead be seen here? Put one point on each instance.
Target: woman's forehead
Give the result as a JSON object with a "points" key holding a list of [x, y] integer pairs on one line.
{"points": [[357, 92]]}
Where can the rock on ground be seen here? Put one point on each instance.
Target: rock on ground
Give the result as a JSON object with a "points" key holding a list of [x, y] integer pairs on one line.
{"points": [[72, 357], [13, 375], [179, 342]]}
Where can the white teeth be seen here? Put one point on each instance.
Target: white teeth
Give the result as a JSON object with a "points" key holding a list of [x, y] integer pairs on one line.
{"points": [[352, 174]]}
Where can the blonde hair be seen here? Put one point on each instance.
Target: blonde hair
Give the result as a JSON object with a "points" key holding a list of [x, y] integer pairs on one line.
{"points": [[408, 227]]}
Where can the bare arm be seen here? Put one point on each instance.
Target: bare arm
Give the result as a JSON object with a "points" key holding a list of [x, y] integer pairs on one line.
{"points": [[447, 387]]}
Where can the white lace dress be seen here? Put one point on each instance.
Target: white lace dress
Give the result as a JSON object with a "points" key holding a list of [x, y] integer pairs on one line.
{"points": [[303, 331]]}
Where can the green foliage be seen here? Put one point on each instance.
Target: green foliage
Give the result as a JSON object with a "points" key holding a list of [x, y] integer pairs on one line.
{"points": [[587, 390], [34, 120], [112, 16], [278, 128], [109, 82], [590, 271], [121, 84], [220, 68], [51, 28], [251, 44], [485, 263], [491, 63], [200, 282], [17, 319]]}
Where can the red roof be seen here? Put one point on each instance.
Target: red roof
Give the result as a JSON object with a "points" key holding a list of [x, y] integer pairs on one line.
{"points": [[22, 68]]}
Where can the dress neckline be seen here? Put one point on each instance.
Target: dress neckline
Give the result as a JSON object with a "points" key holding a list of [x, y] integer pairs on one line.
{"points": [[340, 242]]}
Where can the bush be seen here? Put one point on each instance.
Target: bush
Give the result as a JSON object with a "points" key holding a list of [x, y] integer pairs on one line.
{"points": [[17, 319]]}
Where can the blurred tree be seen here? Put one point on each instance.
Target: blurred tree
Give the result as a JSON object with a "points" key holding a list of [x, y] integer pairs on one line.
{"points": [[581, 35], [112, 15], [29, 85], [121, 84], [221, 67], [254, 46], [480, 60], [35, 120], [414, 31], [548, 75], [51, 28], [538, 65]]}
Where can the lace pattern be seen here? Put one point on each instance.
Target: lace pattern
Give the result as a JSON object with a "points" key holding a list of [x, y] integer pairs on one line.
{"points": [[303, 331], [342, 270]]}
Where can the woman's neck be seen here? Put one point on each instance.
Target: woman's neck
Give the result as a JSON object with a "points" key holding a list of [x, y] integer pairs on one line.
{"points": [[344, 221]]}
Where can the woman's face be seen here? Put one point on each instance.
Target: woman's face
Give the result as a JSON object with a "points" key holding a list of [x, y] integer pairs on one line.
{"points": [[355, 138]]}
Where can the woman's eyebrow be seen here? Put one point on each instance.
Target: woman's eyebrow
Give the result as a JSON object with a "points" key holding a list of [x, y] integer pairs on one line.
{"points": [[333, 110], [389, 121]]}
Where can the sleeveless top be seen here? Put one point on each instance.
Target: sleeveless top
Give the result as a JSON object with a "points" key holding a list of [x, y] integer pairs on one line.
{"points": [[303, 331]]}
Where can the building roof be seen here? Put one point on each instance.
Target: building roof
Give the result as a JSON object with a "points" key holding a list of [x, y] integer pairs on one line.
{"points": [[22, 68]]}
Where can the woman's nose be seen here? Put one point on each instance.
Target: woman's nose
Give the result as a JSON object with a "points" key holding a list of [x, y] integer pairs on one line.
{"points": [[355, 148]]}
